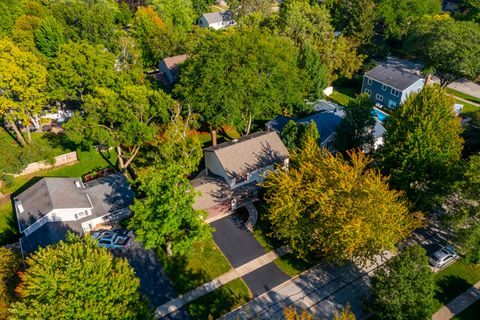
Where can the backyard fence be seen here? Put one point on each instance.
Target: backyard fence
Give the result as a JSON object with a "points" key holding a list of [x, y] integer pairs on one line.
{"points": [[40, 165]]}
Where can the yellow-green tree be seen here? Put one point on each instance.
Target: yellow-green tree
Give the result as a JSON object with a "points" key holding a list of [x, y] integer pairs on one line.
{"points": [[328, 206], [23, 81]]}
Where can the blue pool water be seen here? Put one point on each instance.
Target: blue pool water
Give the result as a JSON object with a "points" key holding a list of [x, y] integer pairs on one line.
{"points": [[380, 115]]}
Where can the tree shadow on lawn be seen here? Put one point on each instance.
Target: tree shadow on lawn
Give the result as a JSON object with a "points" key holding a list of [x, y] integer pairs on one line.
{"points": [[449, 287], [10, 233]]}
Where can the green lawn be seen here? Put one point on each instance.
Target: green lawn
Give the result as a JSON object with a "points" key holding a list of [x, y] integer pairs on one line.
{"points": [[203, 264], [88, 161], [454, 280], [467, 107], [8, 224], [471, 313], [220, 301], [342, 95], [463, 95]]}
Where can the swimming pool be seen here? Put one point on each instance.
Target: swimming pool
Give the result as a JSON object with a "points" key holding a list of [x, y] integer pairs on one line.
{"points": [[379, 114]]}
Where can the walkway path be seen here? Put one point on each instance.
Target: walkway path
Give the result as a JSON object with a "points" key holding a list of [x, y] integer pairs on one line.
{"points": [[467, 101], [458, 304], [175, 304]]}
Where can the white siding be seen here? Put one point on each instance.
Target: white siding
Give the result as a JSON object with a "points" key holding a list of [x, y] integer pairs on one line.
{"points": [[213, 165], [69, 214]]}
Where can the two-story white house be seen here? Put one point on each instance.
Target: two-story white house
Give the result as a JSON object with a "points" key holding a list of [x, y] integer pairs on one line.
{"points": [[216, 20], [234, 169], [52, 206]]}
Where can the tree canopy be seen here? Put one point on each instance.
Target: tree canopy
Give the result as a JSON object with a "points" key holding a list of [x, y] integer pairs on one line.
{"points": [[236, 78], [124, 120], [404, 287], [77, 279], [422, 145], [165, 217], [355, 129], [336, 208], [9, 267]]}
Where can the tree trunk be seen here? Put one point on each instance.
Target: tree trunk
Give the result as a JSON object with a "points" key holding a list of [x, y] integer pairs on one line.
{"points": [[249, 124], [213, 132], [29, 135], [120, 159], [169, 248], [19, 134]]}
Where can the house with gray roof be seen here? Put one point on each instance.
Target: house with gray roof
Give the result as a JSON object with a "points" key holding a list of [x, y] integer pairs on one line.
{"points": [[52, 206], [390, 83], [170, 68], [234, 169], [216, 20]]}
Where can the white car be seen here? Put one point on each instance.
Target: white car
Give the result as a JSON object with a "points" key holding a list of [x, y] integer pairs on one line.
{"points": [[443, 256], [112, 240]]}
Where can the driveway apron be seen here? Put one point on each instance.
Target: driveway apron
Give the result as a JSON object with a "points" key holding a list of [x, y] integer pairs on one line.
{"points": [[240, 247]]}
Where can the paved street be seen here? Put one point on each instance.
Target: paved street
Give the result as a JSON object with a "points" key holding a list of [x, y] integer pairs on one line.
{"points": [[325, 289], [240, 246]]}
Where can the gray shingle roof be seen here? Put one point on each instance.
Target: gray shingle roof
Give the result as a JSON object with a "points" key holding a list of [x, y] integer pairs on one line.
{"points": [[48, 194], [216, 17], [250, 153], [394, 76]]}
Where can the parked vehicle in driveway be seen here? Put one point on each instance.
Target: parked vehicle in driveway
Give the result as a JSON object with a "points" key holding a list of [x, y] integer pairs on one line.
{"points": [[112, 240], [443, 256]]}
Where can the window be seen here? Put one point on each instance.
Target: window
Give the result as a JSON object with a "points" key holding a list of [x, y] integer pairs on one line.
{"points": [[379, 97], [369, 81], [368, 92], [392, 104], [384, 87], [396, 93]]}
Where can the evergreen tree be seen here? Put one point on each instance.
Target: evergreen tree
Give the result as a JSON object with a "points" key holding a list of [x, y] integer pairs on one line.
{"points": [[355, 129], [404, 287], [422, 145]]}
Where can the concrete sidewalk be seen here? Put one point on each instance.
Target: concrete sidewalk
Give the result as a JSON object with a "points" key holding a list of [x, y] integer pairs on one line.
{"points": [[175, 304], [458, 304]]}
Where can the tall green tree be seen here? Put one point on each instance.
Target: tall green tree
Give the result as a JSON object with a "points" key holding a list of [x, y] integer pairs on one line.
{"points": [[176, 13], [79, 68], [355, 129], [77, 279], [315, 69], [297, 136], [311, 24], [89, 20], [336, 208], [124, 120], [10, 10], [165, 217], [397, 17], [404, 287], [471, 134], [472, 9], [246, 7], [357, 18], [452, 50], [23, 83], [239, 77], [9, 268], [422, 145], [49, 36]]}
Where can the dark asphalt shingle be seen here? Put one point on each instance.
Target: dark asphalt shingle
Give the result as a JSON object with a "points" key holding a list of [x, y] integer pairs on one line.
{"points": [[394, 76]]}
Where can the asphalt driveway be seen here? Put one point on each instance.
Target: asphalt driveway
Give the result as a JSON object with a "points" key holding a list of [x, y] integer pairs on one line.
{"points": [[240, 246]]}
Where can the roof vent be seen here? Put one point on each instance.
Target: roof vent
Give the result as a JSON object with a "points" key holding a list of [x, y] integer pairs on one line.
{"points": [[78, 184]]}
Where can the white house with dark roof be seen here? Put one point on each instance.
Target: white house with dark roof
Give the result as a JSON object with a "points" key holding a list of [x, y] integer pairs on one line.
{"points": [[234, 169], [216, 20], [390, 83], [51, 207]]}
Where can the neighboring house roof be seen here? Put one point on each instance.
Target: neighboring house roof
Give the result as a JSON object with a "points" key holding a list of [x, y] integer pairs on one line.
{"points": [[250, 153], [108, 194], [173, 64], [325, 105], [395, 76], [48, 194], [217, 17]]}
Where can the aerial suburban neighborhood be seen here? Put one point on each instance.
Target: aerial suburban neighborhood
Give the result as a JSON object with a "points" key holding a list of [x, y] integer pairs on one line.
{"points": [[240, 159]]}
